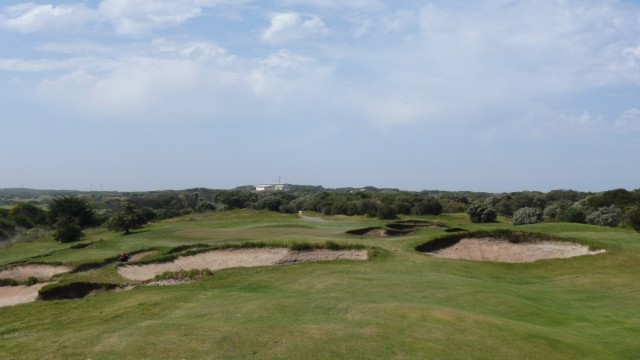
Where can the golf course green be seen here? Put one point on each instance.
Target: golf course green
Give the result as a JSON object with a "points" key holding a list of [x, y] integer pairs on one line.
{"points": [[399, 303]]}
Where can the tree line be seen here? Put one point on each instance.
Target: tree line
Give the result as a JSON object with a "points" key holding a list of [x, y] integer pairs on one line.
{"points": [[66, 215]]}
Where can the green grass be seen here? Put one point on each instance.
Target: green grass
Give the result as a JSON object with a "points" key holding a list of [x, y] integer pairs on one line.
{"points": [[399, 305]]}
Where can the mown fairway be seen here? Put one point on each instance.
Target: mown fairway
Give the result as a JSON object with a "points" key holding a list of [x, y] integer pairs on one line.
{"points": [[399, 305]]}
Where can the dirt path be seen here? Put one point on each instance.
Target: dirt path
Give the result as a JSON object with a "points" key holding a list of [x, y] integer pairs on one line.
{"points": [[14, 295], [39, 271], [222, 259], [499, 250]]}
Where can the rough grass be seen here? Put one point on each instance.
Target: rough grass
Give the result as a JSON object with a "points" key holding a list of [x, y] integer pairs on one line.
{"points": [[401, 304]]}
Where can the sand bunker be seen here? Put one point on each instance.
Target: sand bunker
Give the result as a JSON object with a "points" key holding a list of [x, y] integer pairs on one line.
{"points": [[39, 271], [229, 258], [488, 249], [14, 295]]}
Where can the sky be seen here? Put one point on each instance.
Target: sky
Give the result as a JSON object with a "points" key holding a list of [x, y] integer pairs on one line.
{"points": [[494, 95]]}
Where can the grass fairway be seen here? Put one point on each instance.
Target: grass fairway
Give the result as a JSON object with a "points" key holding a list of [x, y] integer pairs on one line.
{"points": [[400, 304]]}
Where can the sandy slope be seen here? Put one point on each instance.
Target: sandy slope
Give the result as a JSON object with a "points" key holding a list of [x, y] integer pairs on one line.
{"points": [[504, 251], [13, 295], [221, 259], [40, 271]]}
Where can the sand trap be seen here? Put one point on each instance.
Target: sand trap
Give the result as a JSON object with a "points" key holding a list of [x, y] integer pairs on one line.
{"points": [[39, 271], [229, 258], [14, 295], [501, 250]]}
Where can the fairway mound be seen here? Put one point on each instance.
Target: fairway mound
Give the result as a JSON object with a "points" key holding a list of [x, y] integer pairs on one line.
{"points": [[489, 249], [14, 295], [230, 258], [38, 271]]}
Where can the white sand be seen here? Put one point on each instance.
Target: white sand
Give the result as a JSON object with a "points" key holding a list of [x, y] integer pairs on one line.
{"points": [[229, 258], [501, 250], [14, 295], [40, 271]]}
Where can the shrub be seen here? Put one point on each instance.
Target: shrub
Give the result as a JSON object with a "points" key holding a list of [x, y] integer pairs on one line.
{"points": [[67, 229], [429, 206], [480, 212], [331, 245], [300, 246], [605, 216], [574, 214], [527, 215], [632, 217], [386, 213]]}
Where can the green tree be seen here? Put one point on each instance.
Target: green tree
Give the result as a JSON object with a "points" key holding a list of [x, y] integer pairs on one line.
{"points": [[74, 207], [632, 217], [481, 212], [67, 229], [605, 216], [386, 212], [574, 214], [527, 215], [27, 215], [126, 219], [428, 206]]}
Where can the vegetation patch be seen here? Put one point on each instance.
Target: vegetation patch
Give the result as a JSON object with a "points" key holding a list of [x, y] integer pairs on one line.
{"points": [[184, 275]]}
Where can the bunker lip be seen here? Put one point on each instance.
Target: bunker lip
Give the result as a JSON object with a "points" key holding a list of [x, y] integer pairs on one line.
{"points": [[39, 271], [500, 250], [230, 258]]}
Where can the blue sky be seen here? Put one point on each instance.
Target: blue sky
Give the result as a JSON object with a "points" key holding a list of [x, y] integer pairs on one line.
{"points": [[496, 95]]}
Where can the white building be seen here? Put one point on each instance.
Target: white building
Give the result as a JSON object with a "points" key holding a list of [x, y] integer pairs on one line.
{"points": [[271, 187]]}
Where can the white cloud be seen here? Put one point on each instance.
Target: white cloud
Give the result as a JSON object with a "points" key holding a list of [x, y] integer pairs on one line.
{"points": [[360, 5], [136, 17], [128, 17], [629, 120], [29, 17], [141, 17], [293, 26]]}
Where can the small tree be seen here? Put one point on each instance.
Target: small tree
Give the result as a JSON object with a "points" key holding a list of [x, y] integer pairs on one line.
{"points": [[527, 215], [480, 212], [429, 206], [386, 212], [126, 219], [574, 214], [605, 216], [74, 207], [67, 229], [632, 217]]}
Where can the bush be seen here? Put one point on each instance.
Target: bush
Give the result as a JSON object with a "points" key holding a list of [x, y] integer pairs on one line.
{"points": [[605, 216], [574, 214], [428, 206], [301, 246], [527, 215], [66, 230], [480, 212], [386, 213], [632, 217]]}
